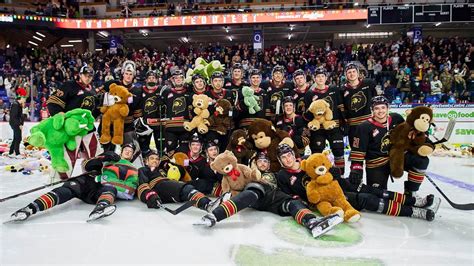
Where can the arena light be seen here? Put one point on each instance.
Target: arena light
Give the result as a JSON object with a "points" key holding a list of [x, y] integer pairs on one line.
{"points": [[289, 36], [356, 4], [75, 41], [144, 32], [98, 49], [41, 34], [226, 29], [8, 46], [241, 10], [367, 26], [437, 24], [67, 45], [292, 27], [230, 38], [103, 34], [33, 43], [37, 38]]}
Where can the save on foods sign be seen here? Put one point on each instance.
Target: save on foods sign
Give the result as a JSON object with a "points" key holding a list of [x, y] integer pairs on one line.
{"points": [[463, 132]]}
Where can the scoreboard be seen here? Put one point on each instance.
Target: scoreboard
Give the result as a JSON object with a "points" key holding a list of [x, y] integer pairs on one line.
{"points": [[405, 14]]}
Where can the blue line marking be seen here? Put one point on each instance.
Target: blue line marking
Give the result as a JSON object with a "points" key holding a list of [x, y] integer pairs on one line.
{"points": [[451, 181]]}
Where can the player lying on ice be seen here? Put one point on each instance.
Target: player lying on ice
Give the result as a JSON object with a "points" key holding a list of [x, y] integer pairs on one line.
{"points": [[264, 195], [109, 176]]}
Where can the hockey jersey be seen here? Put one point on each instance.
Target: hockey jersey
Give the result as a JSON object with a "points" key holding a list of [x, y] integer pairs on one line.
{"points": [[357, 101]]}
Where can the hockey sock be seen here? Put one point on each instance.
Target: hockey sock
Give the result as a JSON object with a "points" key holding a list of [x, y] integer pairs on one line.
{"points": [[54, 197], [394, 208], [298, 210], [243, 200], [414, 181], [106, 197], [217, 190], [201, 200], [340, 163]]}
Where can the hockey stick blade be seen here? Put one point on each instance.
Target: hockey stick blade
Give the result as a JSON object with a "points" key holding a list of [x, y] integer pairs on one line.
{"points": [[181, 208], [464, 207], [447, 132]]}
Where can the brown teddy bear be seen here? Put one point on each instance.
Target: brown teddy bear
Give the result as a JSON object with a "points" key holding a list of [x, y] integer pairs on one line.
{"points": [[220, 121], [200, 120], [410, 136], [239, 145], [323, 115], [325, 192], [235, 176], [115, 114], [266, 138]]}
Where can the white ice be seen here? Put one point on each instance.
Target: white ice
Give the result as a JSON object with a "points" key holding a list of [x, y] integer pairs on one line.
{"points": [[137, 235]]}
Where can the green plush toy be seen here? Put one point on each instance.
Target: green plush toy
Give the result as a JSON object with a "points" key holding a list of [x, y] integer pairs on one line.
{"points": [[59, 130], [204, 69], [250, 100]]}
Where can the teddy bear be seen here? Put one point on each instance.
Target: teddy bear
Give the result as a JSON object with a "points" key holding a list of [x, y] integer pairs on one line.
{"points": [[322, 115], [324, 191], [239, 145], [235, 176], [115, 114], [220, 121], [61, 130], [200, 120], [26, 167], [266, 138], [250, 100], [410, 136]]}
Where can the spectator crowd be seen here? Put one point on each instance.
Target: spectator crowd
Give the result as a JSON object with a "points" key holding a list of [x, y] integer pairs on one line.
{"points": [[436, 71]]}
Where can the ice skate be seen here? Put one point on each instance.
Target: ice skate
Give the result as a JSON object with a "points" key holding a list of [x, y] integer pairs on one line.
{"points": [[101, 211], [320, 226], [425, 214], [20, 215], [208, 220]]}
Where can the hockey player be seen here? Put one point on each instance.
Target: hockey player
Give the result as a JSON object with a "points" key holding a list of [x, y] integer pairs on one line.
{"points": [[356, 95], [292, 180], [178, 103], [71, 95], [155, 188], [208, 181], [113, 177], [293, 124], [301, 88], [215, 93], [196, 160], [334, 136], [236, 81], [199, 84], [265, 196], [152, 115], [135, 104], [277, 88], [245, 119], [371, 144]]}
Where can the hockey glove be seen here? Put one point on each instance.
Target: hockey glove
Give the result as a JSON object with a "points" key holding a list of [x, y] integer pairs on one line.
{"points": [[355, 177], [152, 200]]}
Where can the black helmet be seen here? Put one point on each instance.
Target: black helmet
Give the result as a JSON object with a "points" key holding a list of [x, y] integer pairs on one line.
{"points": [[151, 73], [195, 138], [298, 72], [211, 144], [351, 65], [86, 70], [196, 77], [283, 149], [287, 99], [378, 100], [278, 68], [129, 145], [151, 152], [254, 72], [320, 70], [216, 75], [237, 66], [177, 72], [262, 156]]}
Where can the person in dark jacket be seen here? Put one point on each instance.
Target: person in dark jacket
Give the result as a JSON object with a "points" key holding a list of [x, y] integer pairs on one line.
{"points": [[16, 121]]}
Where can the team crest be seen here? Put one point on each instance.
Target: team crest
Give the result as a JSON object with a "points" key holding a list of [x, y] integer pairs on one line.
{"points": [[385, 144], [358, 101], [150, 105], [179, 105], [329, 100], [375, 132], [292, 180], [301, 108], [275, 98], [88, 103]]}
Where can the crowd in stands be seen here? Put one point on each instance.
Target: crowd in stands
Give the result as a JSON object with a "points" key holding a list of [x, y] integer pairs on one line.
{"points": [[436, 71]]}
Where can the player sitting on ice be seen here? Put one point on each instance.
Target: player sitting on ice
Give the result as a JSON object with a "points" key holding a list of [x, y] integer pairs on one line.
{"points": [[100, 186], [263, 195], [156, 188]]}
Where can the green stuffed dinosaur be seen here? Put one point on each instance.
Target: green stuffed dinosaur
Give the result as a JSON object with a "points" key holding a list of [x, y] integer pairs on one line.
{"points": [[59, 130], [250, 100]]}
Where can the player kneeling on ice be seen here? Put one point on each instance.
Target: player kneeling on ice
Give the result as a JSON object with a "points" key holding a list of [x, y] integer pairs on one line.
{"points": [[118, 179], [157, 185], [250, 190]]}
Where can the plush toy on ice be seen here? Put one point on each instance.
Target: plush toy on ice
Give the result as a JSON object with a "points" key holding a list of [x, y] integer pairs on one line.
{"points": [[61, 130]]}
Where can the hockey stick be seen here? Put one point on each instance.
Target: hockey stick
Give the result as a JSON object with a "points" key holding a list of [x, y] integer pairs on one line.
{"points": [[44, 186], [447, 132], [464, 207], [183, 207]]}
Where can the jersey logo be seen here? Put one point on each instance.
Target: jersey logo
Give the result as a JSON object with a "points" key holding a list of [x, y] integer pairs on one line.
{"points": [[150, 105], [179, 105], [88, 103], [329, 100], [375, 132], [358, 101], [292, 180], [301, 108], [275, 98], [315, 97], [385, 143]]}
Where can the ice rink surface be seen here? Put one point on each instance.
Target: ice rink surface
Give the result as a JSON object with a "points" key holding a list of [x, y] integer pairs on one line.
{"points": [[137, 235]]}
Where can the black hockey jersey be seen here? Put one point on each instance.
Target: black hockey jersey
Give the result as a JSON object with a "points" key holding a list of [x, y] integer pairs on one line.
{"points": [[371, 141], [294, 127], [179, 105], [72, 95], [276, 94], [293, 182], [331, 95], [299, 100], [357, 101], [245, 117], [154, 108]]}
